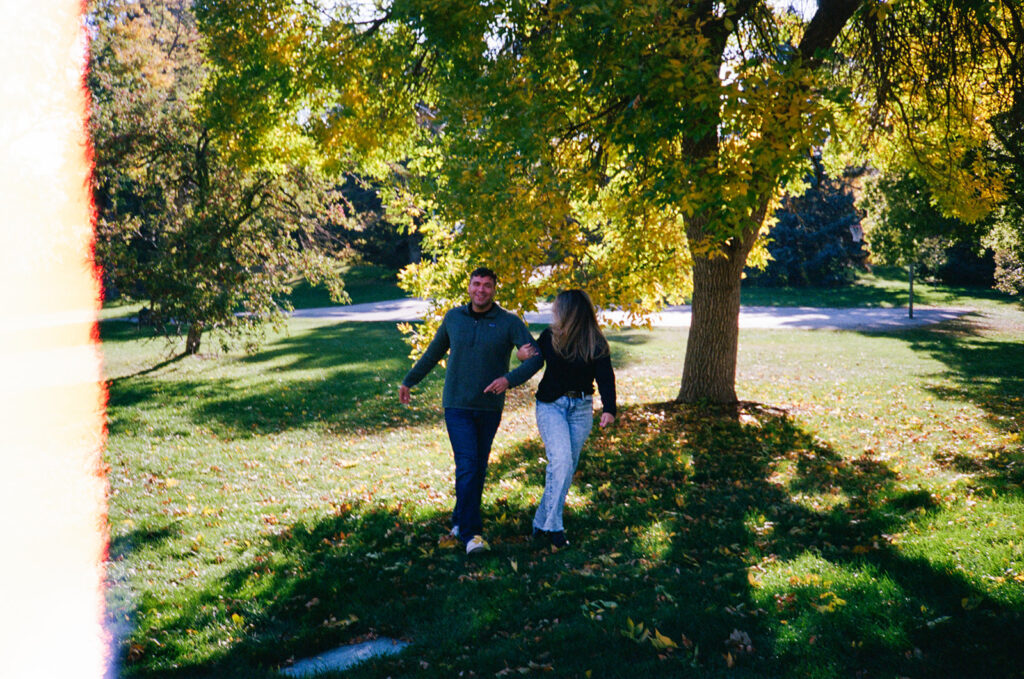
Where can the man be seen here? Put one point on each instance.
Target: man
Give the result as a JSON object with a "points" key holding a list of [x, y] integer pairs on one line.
{"points": [[480, 337]]}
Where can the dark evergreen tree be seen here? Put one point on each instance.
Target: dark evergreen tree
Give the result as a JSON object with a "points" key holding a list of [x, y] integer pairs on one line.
{"points": [[817, 240]]}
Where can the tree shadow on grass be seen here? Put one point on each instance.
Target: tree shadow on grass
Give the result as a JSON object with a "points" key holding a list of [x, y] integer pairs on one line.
{"points": [[152, 369], [751, 546], [140, 538], [981, 369], [775, 507], [629, 337], [714, 511], [118, 330], [987, 371], [341, 377]]}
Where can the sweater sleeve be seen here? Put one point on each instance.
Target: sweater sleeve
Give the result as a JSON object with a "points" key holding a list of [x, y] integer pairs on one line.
{"points": [[526, 369], [606, 383], [430, 358]]}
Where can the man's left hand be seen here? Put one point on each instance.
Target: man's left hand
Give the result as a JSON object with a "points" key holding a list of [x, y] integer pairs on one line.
{"points": [[498, 386]]}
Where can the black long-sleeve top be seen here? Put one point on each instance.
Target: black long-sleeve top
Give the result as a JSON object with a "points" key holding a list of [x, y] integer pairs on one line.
{"points": [[561, 375]]}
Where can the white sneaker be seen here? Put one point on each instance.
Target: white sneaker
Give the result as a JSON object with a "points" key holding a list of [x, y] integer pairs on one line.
{"points": [[477, 544]]}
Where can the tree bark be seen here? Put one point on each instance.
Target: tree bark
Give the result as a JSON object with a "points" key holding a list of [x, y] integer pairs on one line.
{"points": [[910, 304], [709, 369], [195, 335]]}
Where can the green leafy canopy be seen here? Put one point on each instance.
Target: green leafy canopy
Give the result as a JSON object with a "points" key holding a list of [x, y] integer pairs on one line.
{"points": [[632, 147], [179, 224]]}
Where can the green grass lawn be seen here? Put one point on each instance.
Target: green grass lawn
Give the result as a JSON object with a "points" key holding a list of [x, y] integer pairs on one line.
{"points": [[363, 283], [861, 518], [883, 287]]}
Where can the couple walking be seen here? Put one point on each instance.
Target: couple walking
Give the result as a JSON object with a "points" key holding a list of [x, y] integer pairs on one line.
{"points": [[479, 338]]}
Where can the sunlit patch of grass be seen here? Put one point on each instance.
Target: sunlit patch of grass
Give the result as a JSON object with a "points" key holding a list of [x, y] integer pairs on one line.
{"points": [[654, 541], [976, 538], [834, 620]]}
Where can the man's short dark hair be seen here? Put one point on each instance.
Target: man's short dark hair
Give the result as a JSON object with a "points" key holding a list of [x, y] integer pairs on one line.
{"points": [[484, 272]]}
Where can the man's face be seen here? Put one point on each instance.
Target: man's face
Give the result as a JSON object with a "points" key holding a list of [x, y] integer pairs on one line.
{"points": [[481, 292]]}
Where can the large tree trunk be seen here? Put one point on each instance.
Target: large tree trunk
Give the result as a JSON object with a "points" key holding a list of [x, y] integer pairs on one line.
{"points": [[195, 335], [709, 370]]}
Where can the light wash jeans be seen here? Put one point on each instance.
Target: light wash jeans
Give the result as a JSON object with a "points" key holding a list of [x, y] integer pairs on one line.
{"points": [[564, 426]]}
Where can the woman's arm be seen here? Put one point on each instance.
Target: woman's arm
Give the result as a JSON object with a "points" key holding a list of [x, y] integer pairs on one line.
{"points": [[605, 377]]}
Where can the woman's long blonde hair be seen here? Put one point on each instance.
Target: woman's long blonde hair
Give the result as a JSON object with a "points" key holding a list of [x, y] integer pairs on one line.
{"points": [[575, 333]]}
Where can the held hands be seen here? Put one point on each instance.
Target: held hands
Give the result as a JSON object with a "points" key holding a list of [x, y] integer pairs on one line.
{"points": [[606, 419], [526, 351], [498, 386]]}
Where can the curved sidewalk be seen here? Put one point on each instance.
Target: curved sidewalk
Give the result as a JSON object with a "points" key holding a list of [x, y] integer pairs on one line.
{"points": [[796, 318]]}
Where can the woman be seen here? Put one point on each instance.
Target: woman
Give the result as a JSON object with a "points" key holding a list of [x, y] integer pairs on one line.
{"points": [[575, 354]]}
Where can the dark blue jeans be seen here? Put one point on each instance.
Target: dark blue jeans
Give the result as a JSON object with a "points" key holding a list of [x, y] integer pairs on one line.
{"points": [[471, 433]]}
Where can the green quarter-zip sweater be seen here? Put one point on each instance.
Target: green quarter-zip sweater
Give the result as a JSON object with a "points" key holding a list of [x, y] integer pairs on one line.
{"points": [[480, 347]]}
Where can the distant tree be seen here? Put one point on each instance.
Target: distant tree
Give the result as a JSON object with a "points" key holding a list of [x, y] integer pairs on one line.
{"points": [[360, 220], [1006, 236], [1007, 240], [816, 238], [984, 73], [179, 226], [904, 226]]}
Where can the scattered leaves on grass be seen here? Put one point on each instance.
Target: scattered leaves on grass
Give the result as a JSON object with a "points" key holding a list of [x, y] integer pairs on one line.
{"points": [[739, 642], [856, 475]]}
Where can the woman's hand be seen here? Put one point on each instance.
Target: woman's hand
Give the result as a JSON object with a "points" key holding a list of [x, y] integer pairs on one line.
{"points": [[526, 351], [606, 419]]}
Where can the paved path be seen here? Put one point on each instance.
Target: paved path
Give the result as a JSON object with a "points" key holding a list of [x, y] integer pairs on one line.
{"points": [[799, 318]]}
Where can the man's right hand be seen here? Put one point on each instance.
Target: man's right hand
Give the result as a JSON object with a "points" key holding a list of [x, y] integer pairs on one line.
{"points": [[404, 395]]}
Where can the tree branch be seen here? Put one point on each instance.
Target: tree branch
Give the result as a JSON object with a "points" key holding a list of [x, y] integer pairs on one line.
{"points": [[608, 111], [824, 28]]}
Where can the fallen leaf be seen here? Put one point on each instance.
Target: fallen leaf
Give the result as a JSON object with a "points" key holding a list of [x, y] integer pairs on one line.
{"points": [[661, 641], [135, 652]]}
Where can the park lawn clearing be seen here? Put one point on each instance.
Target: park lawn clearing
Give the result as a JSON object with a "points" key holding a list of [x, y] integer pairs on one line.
{"points": [[886, 287], [363, 283], [858, 516]]}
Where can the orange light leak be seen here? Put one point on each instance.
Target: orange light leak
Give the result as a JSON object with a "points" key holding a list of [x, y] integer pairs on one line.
{"points": [[52, 491]]}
